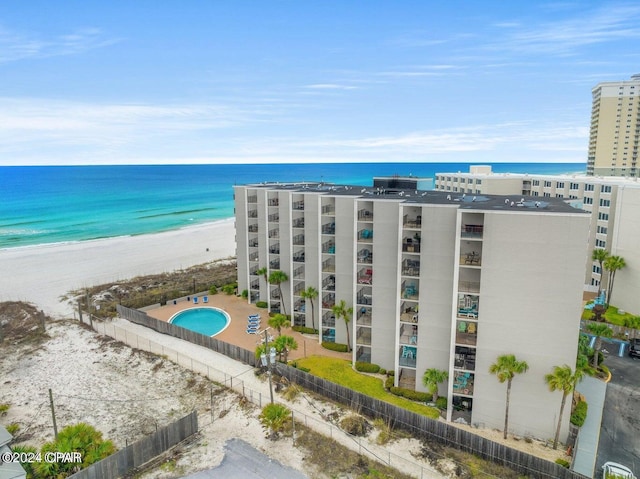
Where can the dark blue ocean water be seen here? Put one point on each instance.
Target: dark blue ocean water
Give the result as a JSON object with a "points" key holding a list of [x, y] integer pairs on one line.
{"points": [[51, 204]]}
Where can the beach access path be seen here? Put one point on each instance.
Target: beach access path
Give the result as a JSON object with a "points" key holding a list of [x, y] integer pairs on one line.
{"points": [[42, 274]]}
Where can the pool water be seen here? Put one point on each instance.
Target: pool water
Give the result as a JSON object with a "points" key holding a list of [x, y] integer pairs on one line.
{"points": [[207, 321]]}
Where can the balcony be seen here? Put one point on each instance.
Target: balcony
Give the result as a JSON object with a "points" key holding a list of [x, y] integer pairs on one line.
{"points": [[274, 249], [329, 209], [363, 316], [329, 283], [409, 334], [252, 199], [254, 256], [298, 240], [365, 236], [329, 265], [472, 258], [410, 246], [253, 228], [274, 202], [472, 231], [252, 213], [255, 284], [466, 333], [463, 383], [297, 205], [329, 335], [298, 257], [410, 291], [468, 306], [329, 247], [299, 306], [365, 256], [274, 233], [253, 271], [298, 272], [328, 320], [328, 301], [409, 312], [363, 354], [274, 264], [363, 336], [329, 229], [365, 215], [253, 243], [411, 267], [298, 223], [469, 286], [364, 298], [409, 222], [298, 288], [365, 276], [408, 356], [275, 293], [465, 358]]}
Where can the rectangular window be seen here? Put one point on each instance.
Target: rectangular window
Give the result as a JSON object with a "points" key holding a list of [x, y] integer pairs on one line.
{"points": [[603, 216], [547, 184], [602, 230], [588, 187], [596, 269], [601, 244], [560, 184], [605, 189], [574, 186], [588, 201], [604, 202], [536, 183]]}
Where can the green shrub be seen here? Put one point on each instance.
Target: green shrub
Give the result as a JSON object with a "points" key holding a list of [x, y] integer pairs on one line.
{"points": [[563, 462], [341, 348], [245, 293], [355, 425], [411, 394], [261, 304], [4, 408], [213, 290], [441, 403], [367, 367], [13, 428], [382, 371], [304, 330], [579, 414], [388, 383], [391, 372], [230, 288]]}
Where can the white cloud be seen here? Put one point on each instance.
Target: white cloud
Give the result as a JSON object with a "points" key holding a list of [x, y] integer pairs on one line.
{"points": [[330, 86]]}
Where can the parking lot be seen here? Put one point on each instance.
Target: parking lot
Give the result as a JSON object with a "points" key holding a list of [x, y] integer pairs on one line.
{"points": [[620, 429]]}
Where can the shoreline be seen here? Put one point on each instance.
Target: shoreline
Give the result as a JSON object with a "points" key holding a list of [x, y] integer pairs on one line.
{"points": [[41, 274]]}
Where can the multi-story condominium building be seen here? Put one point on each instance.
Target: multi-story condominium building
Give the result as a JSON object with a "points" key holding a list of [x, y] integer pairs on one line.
{"points": [[615, 129], [436, 280], [612, 202]]}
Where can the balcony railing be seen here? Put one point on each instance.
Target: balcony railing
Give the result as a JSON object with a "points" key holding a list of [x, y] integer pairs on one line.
{"points": [[329, 283], [473, 258], [274, 233], [274, 264], [253, 243], [329, 265], [410, 291], [298, 288], [412, 223], [364, 298], [328, 320], [254, 256], [297, 205], [298, 223], [274, 218], [329, 247], [252, 228], [365, 276], [275, 293], [252, 199], [466, 333], [410, 246], [255, 284], [329, 229], [298, 240], [328, 301], [365, 235], [472, 231], [411, 267], [298, 257], [328, 209], [469, 286], [465, 358], [409, 312], [274, 202], [252, 213], [274, 249], [365, 256], [298, 272], [409, 334], [463, 383], [365, 215], [408, 356], [299, 306], [363, 336], [364, 316], [254, 270]]}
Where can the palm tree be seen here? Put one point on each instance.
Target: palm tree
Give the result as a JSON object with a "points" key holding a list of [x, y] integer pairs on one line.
{"points": [[263, 272], [340, 310], [283, 345], [613, 264], [275, 418], [600, 255], [311, 293], [505, 368], [584, 351], [431, 378], [600, 331], [565, 380], [278, 277], [279, 321]]}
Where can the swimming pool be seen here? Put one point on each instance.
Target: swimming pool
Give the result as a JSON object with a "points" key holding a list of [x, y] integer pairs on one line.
{"points": [[207, 321]]}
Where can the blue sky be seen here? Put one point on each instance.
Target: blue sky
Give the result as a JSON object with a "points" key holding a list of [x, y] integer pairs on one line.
{"points": [[88, 82]]}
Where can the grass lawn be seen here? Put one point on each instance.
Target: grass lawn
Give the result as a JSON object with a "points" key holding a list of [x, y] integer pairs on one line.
{"points": [[611, 316], [339, 371]]}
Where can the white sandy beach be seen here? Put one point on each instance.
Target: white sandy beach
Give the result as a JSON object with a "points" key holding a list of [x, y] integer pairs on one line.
{"points": [[41, 274]]}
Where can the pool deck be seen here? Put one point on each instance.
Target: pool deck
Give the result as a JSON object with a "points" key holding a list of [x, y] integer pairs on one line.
{"points": [[236, 333]]}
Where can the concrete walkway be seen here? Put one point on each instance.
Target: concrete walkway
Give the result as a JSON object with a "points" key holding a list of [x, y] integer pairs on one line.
{"points": [[594, 390]]}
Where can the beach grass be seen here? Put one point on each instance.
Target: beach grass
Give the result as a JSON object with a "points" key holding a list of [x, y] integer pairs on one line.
{"points": [[339, 371]]}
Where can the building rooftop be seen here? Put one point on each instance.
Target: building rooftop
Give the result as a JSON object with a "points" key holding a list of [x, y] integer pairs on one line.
{"points": [[461, 200]]}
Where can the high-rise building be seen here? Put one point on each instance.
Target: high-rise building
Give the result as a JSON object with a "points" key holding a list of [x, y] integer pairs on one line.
{"points": [[615, 129], [436, 280]]}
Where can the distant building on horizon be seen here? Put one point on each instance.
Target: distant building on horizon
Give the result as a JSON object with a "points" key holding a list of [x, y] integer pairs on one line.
{"points": [[614, 135], [612, 202]]}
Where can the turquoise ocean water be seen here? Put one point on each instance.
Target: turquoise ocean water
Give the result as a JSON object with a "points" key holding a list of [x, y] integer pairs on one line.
{"points": [[53, 204]]}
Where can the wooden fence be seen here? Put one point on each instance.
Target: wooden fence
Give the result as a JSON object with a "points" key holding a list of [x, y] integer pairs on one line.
{"points": [[416, 424], [229, 350], [142, 451]]}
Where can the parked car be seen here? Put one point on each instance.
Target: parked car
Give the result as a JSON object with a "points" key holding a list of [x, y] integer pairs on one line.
{"points": [[613, 470], [634, 348]]}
